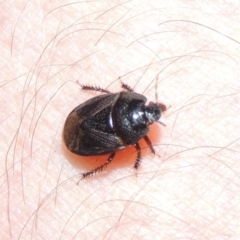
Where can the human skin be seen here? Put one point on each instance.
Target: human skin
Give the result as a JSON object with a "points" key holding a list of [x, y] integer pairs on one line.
{"points": [[190, 188]]}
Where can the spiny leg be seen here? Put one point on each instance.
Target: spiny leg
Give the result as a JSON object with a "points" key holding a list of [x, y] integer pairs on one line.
{"points": [[149, 143], [139, 156], [92, 88], [125, 86], [99, 89], [100, 168]]}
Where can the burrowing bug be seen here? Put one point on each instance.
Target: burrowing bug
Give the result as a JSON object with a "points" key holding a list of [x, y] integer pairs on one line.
{"points": [[110, 122]]}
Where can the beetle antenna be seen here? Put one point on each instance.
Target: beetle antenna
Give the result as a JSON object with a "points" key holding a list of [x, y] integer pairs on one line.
{"points": [[163, 107]]}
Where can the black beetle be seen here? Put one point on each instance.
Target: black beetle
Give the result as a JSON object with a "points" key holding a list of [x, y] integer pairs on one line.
{"points": [[110, 122]]}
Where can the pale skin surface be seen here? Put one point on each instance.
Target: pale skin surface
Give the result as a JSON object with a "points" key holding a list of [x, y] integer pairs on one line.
{"points": [[192, 191]]}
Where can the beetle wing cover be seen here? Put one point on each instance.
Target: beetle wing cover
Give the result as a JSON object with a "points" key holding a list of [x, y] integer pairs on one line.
{"points": [[96, 143], [94, 105], [96, 132]]}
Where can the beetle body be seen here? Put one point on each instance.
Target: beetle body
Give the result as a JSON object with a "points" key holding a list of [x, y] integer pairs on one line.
{"points": [[109, 123]]}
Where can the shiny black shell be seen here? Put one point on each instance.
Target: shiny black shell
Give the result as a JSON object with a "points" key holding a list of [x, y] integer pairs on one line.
{"points": [[109, 123]]}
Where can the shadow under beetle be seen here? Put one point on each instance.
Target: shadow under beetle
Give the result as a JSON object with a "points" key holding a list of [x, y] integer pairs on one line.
{"points": [[110, 122]]}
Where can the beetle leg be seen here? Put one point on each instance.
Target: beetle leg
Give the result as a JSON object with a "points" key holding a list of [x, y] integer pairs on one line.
{"points": [[139, 156], [149, 143], [125, 86], [100, 168], [91, 88]]}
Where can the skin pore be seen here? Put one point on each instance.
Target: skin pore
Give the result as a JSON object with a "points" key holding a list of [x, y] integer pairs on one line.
{"points": [[190, 188]]}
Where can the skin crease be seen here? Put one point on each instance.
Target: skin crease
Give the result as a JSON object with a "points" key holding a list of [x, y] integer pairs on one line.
{"points": [[190, 190]]}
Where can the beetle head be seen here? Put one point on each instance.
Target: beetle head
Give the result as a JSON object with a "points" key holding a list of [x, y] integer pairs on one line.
{"points": [[152, 112]]}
